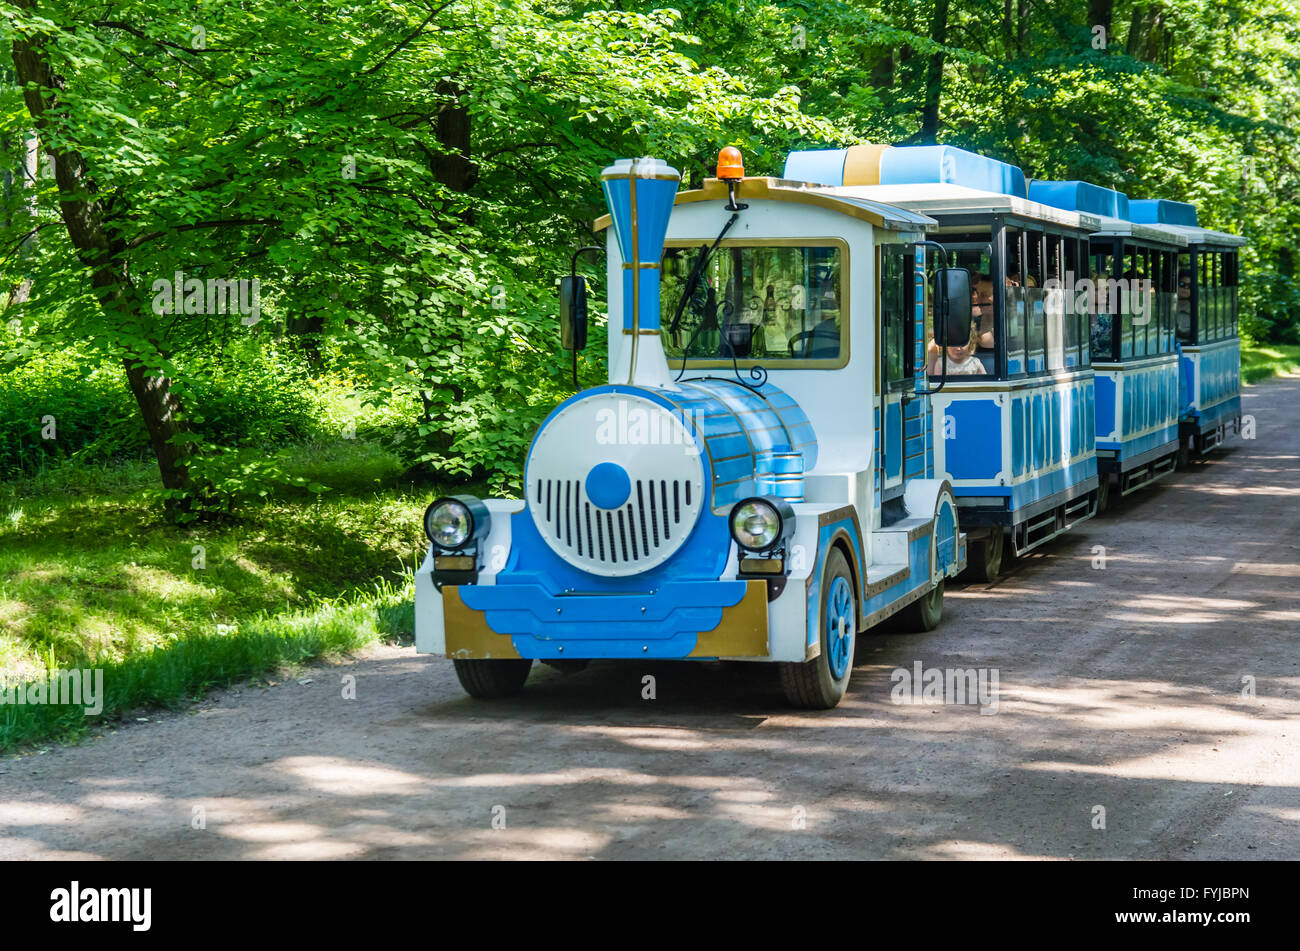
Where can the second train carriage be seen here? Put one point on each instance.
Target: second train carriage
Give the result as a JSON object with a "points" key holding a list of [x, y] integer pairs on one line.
{"points": [[1017, 439]]}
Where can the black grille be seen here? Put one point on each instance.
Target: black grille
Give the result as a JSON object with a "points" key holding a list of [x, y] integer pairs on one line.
{"points": [[640, 529]]}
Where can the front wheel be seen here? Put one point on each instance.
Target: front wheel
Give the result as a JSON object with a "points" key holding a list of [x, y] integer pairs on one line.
{"points": [[821, 683], [492, 679]]}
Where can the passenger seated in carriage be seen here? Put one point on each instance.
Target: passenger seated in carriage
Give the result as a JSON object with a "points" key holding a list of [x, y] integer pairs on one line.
{"points": [[961, 360], [1184, 310], [982, 310]]}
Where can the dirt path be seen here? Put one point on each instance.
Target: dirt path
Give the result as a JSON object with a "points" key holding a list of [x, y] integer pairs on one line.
{"points": [[1119, 687]]}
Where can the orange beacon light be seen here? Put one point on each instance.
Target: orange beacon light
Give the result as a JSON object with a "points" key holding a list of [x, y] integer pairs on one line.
{"points": [[731, 167]]}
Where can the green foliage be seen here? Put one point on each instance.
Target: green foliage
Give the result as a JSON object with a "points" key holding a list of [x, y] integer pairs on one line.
{"points": [[82, 403], [87, 574], [406, 181], [1261, 363]]}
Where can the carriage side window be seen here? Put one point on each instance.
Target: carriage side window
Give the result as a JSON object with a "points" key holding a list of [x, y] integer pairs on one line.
{"points": [[770, 304], [1205, 297], [1167, 291], [1220, 299], [1183, 306], [1015, 306], [1070, 321], [1054, 303], [1035, 298], [1140, 303], [1233, 278], [1083, 313], [1103, 320]]}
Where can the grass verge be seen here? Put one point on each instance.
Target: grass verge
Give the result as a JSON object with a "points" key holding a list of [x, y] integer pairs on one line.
{"points": [[1268, 360], [177, 674]]}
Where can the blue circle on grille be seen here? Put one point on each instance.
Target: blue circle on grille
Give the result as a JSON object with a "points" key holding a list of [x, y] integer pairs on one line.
{"points": [[608, 485]]}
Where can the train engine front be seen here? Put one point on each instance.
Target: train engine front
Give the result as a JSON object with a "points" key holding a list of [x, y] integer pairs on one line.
{"points": [[656, 521]]}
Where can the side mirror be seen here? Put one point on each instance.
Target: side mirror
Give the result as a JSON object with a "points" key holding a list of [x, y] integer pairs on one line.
{"points": [[573, 312], [952, 313]]}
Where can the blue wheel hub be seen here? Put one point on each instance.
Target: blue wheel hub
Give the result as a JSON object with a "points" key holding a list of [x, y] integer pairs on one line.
{"points": [[840, 626]]}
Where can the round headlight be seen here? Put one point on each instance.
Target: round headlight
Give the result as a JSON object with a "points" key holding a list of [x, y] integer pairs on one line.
{"points": [[452, 523], [759, 524]]}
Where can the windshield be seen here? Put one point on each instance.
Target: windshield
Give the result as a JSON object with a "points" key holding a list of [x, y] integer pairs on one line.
{"points": [[772, 304]]}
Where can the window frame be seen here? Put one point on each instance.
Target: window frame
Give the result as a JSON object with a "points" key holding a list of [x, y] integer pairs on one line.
{"points": [[799, 363]]}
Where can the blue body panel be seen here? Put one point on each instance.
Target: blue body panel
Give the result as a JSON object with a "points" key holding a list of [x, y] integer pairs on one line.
{"points": [[1137, 407], [1211, 384], [1048, 432]]}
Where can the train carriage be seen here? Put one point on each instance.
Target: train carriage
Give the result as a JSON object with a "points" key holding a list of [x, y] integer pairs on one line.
{"points": [[1128, 288], [1018, 438], [723, 497], [1205, 324]]}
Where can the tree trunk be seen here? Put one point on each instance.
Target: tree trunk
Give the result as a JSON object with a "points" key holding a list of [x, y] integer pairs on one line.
{"points": [[1101, 13], [934, 77], [22, 291], [105, 256], [452, 166]]}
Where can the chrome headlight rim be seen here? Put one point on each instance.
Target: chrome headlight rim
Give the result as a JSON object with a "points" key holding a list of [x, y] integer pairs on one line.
{"points": [[778, 509], [473, 511]]}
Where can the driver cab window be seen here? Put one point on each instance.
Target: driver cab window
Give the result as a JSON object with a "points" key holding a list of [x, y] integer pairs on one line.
{"points": [[771, 304], [897, 311]]}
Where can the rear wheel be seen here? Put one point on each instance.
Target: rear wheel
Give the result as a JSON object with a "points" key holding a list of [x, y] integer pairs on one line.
{"points": [[492, 679], [985, 559], [820, 683], [923, 614]]}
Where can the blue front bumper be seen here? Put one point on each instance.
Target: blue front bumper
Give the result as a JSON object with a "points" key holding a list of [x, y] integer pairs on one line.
{"points": [[697, 619]]}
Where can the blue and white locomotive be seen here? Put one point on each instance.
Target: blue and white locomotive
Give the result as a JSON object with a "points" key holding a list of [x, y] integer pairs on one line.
{"points": [[727, 495]]}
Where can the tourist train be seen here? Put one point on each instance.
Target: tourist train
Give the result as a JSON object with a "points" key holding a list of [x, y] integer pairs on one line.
{"points": [[828, 394]]}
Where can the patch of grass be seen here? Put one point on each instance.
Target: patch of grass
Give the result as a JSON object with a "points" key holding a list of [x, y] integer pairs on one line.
{"points": [[1266, 360], [91, 575], [171, 675]]}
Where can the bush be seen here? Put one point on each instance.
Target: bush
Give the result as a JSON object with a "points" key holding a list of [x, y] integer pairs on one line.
{"points": [[54, 406], [72, 403]]}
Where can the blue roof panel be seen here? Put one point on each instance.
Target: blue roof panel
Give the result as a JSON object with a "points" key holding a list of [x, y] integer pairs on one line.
{"points": [[927, 164], [1080, 196], [1161, 211]]}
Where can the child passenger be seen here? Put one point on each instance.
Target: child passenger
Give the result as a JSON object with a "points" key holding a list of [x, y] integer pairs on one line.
{"points": [[961, 360]]}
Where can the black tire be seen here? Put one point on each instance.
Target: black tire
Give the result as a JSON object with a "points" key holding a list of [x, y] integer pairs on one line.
{"points": [[811, 684], [492, 679], [984, 558], [1103, 493], [923, 614]]}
